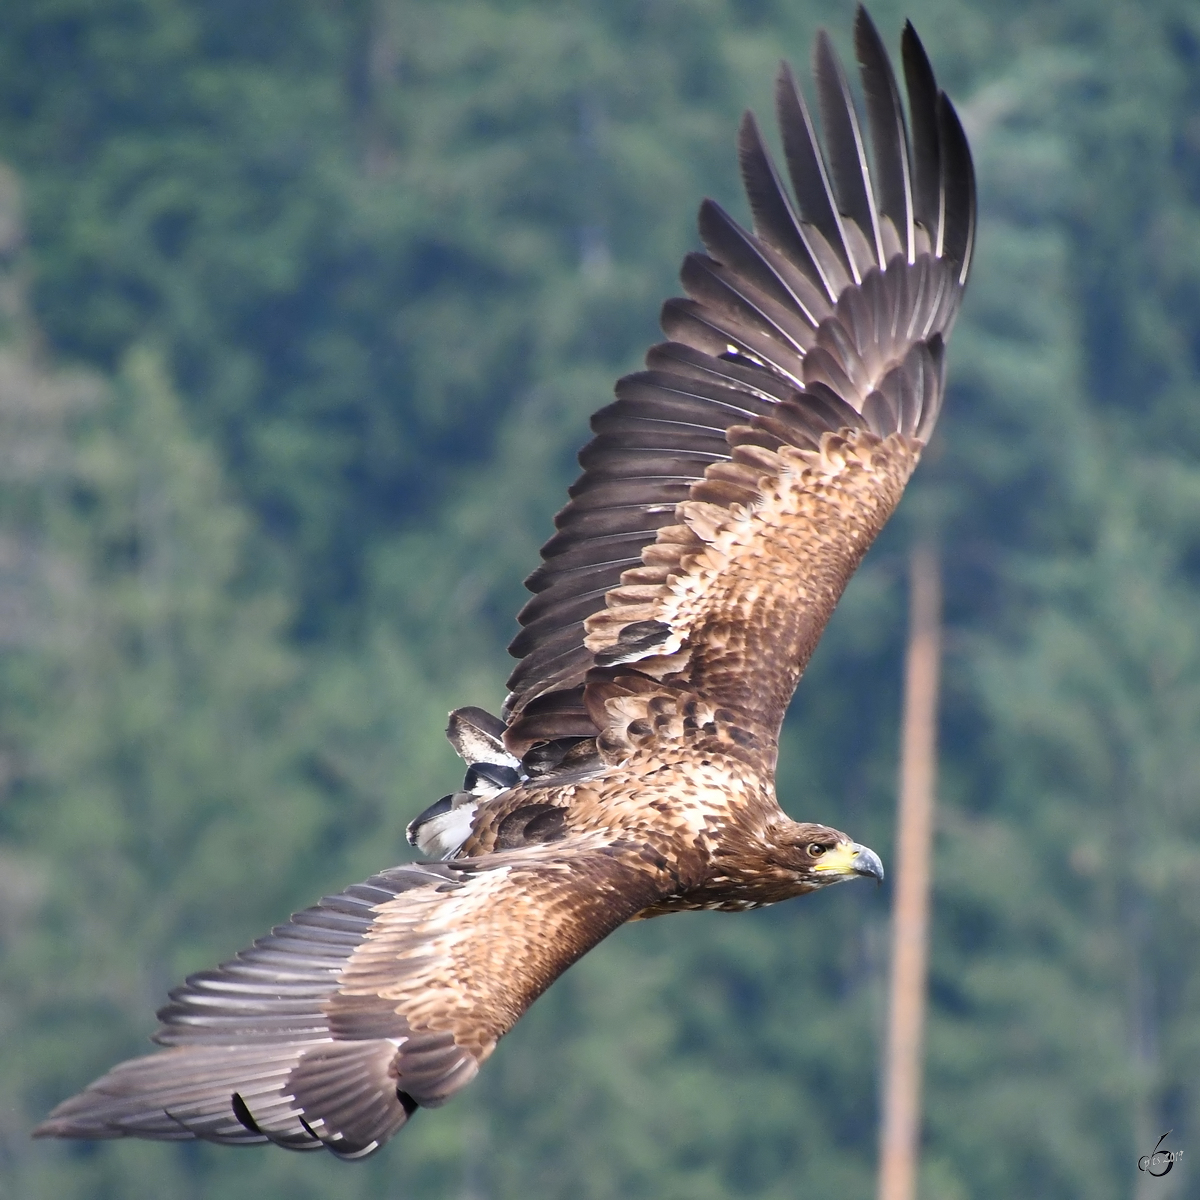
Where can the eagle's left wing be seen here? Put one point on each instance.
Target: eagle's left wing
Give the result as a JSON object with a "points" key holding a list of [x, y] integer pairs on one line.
{"points": [[331, 1030]]}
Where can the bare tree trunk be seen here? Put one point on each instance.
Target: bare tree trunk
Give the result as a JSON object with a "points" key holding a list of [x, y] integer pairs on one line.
{"points": [[901, 1129]]}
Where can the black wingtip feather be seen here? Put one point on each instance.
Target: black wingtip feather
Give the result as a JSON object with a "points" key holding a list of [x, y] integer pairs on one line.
{"points": [[958, 186], [845, 151], [922, 107], [889, 134], [810, 179], [243, 1114], [770, 207]]}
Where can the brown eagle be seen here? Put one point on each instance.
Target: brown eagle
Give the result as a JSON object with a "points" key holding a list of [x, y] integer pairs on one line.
{"points": [[728, 495]]}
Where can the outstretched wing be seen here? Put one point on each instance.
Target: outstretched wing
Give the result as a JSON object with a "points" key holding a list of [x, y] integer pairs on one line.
{"points": [[734, 486], [332, 1030]]}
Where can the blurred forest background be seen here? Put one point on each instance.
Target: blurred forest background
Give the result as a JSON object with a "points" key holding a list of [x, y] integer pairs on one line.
{"points": [[305, 304]]}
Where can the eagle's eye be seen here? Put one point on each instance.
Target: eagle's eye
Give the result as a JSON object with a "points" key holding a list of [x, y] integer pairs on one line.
{"points": [[816, 850]]}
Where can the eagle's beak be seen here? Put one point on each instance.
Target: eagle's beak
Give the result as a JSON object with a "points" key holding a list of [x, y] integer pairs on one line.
{"points": [[850, 859]]}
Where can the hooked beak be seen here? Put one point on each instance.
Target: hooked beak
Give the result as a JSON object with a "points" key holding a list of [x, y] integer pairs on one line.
{"points": [[848, 861]]}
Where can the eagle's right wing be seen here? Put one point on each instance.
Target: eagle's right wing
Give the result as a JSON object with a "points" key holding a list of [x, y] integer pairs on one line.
{"points": [[331, 1030]]}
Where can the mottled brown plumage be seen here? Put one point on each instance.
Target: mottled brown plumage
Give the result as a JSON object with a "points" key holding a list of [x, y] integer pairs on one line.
{"points": [[727, 497]]}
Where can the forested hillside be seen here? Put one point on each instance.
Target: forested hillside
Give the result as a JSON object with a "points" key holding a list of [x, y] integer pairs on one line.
{"points": [[303, 307]]}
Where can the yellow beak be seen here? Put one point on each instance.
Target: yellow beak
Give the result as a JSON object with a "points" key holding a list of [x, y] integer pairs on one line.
{"points": [[849, 860]]}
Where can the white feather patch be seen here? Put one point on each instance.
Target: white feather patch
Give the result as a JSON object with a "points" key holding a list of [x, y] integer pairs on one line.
{"points": [[444, 835]]}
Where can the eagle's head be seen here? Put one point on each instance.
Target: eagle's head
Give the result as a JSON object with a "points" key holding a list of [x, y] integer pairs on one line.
{"points": [[819, 856]]}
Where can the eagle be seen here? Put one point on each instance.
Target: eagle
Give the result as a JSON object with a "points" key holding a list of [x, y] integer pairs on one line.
{"points": [[727, 496]]}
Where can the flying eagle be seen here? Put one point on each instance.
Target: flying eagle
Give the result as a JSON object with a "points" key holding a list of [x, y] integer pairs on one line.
{"points": [[728, 495]]}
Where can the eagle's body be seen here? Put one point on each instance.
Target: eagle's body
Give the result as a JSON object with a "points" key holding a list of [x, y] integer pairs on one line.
{"points": [[730, 493]]}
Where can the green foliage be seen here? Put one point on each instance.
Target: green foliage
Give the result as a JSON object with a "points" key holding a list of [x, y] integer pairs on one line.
{"points": [[346, 280], [356, 229]]}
